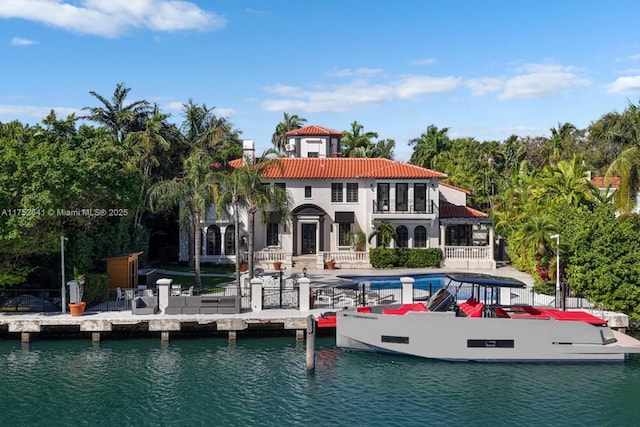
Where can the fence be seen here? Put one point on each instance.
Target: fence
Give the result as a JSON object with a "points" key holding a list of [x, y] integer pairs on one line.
{"points": [[30, 300]]}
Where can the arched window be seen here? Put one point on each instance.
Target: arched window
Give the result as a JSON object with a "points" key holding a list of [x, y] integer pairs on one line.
{"points": [[420, 237], [230, 240], [402, 237], [214, 244]]}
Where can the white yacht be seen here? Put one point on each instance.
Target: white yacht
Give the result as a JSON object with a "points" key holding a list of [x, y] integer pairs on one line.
{"points": [[480, 328]]}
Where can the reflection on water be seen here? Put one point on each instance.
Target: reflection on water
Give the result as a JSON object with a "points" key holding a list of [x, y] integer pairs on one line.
{"points": [[264, 382]]}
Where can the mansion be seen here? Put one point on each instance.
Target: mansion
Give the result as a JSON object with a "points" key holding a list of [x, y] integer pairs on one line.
{"points": [[336, 198]]}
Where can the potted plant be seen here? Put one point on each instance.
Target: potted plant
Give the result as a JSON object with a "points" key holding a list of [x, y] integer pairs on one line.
{"points": [[331, 264], [277, 265], [358, 240], [243, 250], [77, 308]]}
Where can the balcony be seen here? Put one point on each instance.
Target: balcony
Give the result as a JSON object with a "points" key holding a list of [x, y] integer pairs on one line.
{"points": [[410, 210]]}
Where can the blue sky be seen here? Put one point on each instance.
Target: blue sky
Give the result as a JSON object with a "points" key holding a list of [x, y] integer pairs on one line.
{"points": [[485, 69]]}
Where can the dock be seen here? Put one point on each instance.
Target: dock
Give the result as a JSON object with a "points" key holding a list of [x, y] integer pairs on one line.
{"points": [[98, 325]]}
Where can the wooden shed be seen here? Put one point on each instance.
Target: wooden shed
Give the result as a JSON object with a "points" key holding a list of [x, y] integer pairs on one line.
{"points": [[123, 270]]}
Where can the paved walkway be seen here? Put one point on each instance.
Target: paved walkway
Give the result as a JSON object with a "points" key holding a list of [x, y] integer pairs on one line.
{"points": [[332, 277]]}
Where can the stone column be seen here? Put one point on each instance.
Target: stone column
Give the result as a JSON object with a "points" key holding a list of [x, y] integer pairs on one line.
{"points": [[407, 289], [256, 294], [164, 288], [305, 293]]}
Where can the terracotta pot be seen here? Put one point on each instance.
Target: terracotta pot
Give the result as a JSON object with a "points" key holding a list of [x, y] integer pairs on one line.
{"points": [[331, 265], [77, 309], [277, 265], [243, 266]]}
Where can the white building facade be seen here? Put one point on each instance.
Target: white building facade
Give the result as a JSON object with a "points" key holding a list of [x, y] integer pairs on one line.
{"points": [[336, 199]]}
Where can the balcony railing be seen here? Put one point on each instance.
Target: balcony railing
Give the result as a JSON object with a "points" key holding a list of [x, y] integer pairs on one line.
{"points": [[467, 252], [408, 208]]}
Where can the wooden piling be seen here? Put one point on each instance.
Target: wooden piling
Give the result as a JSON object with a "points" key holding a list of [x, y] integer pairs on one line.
{"points": [[95, 336], [311, 344], [25, 337], [233, 337], [164, 336], [300, 334]]}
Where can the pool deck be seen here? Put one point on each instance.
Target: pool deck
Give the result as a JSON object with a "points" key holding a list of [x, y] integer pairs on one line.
{"points": [[95, 323]]}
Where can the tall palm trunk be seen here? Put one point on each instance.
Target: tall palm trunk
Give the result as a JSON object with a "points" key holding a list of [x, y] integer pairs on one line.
{"points": [[197, 239], [236, 230], [250, 229]]}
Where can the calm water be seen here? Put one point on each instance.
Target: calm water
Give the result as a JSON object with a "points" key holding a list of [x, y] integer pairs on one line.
{"points": [[422, 281], [263, 382]]}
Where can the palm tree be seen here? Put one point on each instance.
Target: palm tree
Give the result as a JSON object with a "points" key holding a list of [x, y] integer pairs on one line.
{"points": [[428, 145], [351, 141], [143, 148], [289, 123], [563, 139], [228, 194], [206, 132], [259, 197], [195, 189], [566, 183], [121, 119], [385, 233]]}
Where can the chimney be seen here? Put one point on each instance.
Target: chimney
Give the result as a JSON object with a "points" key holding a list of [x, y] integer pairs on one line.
{"points": [[248, 152]]}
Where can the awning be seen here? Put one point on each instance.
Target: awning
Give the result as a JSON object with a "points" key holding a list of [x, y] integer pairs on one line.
{"points": [[344, 217]]}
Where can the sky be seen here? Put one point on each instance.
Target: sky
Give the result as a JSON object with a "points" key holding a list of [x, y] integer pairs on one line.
{"points": [[481, 68]]}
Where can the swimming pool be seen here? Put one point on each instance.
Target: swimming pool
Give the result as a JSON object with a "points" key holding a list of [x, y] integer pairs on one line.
{"points": [[433, 281]]}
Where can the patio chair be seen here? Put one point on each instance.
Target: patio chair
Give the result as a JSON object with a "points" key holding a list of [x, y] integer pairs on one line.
{"points": [[119, 296], [125, 296], [176, 290]]}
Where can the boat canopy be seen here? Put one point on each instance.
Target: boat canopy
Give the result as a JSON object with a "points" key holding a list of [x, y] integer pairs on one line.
{"points": [[486, 280]]}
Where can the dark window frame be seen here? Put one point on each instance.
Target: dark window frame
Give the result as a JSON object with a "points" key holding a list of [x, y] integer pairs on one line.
{"points": [[337, 195]]}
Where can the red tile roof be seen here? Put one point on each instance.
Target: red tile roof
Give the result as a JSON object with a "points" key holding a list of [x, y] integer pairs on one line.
{"points": [[345, 168], [313, 130], [600, 182], [449, 210]]}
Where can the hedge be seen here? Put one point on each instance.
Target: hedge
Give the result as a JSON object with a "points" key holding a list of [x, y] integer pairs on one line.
{"points": [[409, 258]]}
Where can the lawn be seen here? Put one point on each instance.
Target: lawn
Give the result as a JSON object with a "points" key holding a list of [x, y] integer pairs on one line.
{"points": [[204, 268]]}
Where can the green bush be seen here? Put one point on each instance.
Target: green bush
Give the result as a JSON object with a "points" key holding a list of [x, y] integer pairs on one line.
{"points": [[382, 257], [95, 288], [410, 258], [421, 258]]}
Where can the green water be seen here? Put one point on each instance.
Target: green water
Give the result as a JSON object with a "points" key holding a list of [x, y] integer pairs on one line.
{"points": [[263, 382]]}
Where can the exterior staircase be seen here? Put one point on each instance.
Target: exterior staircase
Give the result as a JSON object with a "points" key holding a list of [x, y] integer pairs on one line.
{"points": [[304, 261]]}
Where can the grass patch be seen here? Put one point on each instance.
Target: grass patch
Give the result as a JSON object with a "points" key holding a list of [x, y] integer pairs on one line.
{"points": [[204, 268], [209, 284]]}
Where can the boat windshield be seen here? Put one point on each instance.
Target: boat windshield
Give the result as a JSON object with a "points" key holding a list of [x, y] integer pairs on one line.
{"points": [[486, 280]]}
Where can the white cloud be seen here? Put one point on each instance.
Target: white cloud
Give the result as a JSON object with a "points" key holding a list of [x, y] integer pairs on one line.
{"points": [[112, 18], [541, 80], [414, 86], [225, 112], [174, 106], [624, 85], [354, 94], [16, 112], [18, 41], [425, 61], [358, 72], [485, 85]]}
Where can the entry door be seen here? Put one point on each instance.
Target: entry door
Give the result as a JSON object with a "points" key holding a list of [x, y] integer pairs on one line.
{"points": [[308, 239]]}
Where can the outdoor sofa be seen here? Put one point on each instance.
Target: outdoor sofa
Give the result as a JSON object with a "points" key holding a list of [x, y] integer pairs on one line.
{"points": [[144, 305], [203, 304]]}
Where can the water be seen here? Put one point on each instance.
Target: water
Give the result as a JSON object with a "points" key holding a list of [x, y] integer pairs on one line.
{"points": [[263, 382], [421, 281]]}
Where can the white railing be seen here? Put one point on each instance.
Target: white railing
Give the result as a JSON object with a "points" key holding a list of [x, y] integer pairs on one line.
{"points": [[271, 256], [347, 257], [467, 252]]}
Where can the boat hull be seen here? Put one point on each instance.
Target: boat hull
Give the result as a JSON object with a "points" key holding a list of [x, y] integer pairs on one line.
{"points": [[445, 336]]}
